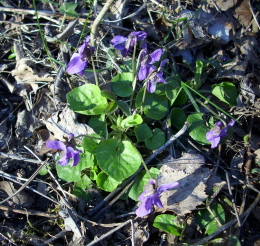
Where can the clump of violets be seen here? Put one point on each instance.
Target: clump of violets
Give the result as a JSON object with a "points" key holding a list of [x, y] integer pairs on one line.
{"points": [[69, 152], [217, 132], [79, 61], [151, 197], [148, 71], [125, 45]]}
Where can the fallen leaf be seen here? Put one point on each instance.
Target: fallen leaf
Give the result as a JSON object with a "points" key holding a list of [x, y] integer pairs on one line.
{"points": [[192, 176]]}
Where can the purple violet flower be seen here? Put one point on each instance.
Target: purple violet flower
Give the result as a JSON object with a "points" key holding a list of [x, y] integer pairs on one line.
{"points": [[151, 195], [125, 45], [69, 152], [147, 61], [155, 76], [217, 132], [79, 61]]}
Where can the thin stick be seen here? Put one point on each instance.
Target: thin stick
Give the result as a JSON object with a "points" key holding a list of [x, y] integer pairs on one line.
{"points": [[173, 138], [108, 233], [97, 21], [30, 212]]}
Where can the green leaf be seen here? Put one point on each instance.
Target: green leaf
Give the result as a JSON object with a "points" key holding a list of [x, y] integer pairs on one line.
{"points": [[68, 7], [141, 179], [90, 144], [98, 124], [132, 120], [87, 100], [177, 118], [79, 189], [44, 170], [156, 141], [195, 105], [155, 106], [11, 56], [118, 159], [142, 132], [72, 14], [226, 92], [207, 221], [111, 108], [69, 173], [121, 84], [124, 107], [166, 223], [106, 182], [197, 129], [198, 73], [109, 95]]}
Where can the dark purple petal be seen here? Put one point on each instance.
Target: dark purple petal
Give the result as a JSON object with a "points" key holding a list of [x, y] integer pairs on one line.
{"points": [[168, 186], [156, 200], [118, 42], [64, 160], [56, 145], [143, 72], [164, 62], [76, 65], [232, 122], [160, 78], [124, 52], [140, 35], [145, 208], [71, 135], [83, 47], [155, 56], [219, 123], [74, 154]]}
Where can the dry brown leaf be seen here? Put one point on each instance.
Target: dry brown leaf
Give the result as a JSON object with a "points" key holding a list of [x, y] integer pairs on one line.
{"points": [[192, 176], [25, 72], [243, 13], [61, 124], [222, 5]]}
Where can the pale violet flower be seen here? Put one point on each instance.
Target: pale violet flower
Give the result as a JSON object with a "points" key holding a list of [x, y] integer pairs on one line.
{"points": [[69, 152], [217, 132], [79, 61], [151, 197], [155, 76], [125, 45]]}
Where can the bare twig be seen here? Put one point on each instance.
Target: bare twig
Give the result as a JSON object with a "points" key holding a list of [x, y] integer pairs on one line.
{"points": [[108, 233], [97, 21], [29, 211]]}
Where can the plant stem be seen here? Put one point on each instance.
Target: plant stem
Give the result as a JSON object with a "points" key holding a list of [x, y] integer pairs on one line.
{"points": [[142, 106], [62, 22], [97, 21], [94, 70]]}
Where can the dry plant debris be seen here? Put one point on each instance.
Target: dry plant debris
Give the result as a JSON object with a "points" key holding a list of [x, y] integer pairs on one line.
{"points": [[133, 89]]}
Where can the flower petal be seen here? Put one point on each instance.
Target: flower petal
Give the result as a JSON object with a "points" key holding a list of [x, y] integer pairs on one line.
{"points": [[118, 42], [232, 122], [64, 160], [56, 145], [165, 187], [140, 35], [143, 72], [155, 56], [151, 86], [145, 208], [156, 200], [76, 65]]}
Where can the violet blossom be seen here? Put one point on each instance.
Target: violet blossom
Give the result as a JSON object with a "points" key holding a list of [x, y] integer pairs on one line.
{"points": [[125, 45], [147, 60], [69, 152], [79, 61], [155, 76], [217, 132], [151, 195]]}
